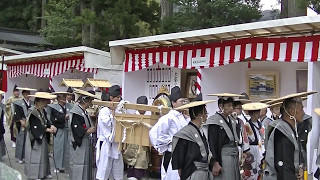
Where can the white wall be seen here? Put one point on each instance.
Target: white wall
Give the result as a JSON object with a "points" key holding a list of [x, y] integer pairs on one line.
{"points": [[113, 76], [232, 78], [135, 83], [29, 81]]}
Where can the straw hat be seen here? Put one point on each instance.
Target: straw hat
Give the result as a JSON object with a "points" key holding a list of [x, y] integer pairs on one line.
{"points": [[226, 95], [43, 95], [84, 93], [26, 89], [296, 95], [265, 100], [254, 106], [317, 110], [59, 93], [2, 92], [194, 104], [275, 104]]}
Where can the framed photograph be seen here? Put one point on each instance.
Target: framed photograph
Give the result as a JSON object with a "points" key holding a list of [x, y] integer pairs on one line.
{"points": [[262, 85], [302, 80], [191, 86]]}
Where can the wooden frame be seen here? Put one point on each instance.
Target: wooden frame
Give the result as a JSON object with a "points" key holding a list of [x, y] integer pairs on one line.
{"points": [[302, 80], [191, 88], [263, 85]]}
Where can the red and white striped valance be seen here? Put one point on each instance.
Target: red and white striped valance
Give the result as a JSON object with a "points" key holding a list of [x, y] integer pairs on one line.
{"points": [[287, 49], [48, 68]]}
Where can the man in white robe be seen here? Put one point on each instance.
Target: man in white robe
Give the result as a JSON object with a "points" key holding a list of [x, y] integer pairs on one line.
{"points": [[162, 132], [108, 157]]}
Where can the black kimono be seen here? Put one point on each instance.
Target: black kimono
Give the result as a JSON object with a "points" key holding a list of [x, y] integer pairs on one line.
{"points": [[187, 153], [2, 131]]}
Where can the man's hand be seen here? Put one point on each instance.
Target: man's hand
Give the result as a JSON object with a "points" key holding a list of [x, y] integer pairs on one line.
{"points": [[217, 169], [54, 129], [300, 174], [67, 116], [49, 130], [23, 123], [91, 130]]}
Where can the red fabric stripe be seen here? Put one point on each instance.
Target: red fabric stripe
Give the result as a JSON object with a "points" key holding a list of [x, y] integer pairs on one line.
{"points": [[221, 60], [212, 54], [168, 57], [289, 51], [203, 53], [133, 63], [232, 53], [264, 50], [302, 48], [154, 56], [176, 64], [253, 49], [147, 59], [126, 62], [199, 75], [276, 51], [185, 58], [242, 51], [315, 50], [139, 61]]}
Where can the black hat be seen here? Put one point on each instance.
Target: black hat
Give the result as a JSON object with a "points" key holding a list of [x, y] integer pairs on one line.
{"points": [[105, 96], [244, 96], [198, 98], [15, 88], [175, 94], [114, 91], [142, 100], [70, 90]]}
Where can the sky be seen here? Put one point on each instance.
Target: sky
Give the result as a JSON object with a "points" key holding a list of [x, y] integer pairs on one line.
{"points": [[268, 4]]}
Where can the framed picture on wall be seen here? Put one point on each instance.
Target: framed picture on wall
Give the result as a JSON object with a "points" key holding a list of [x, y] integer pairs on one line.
{"points": [[191, 86], [263, 85], [302, 80]]}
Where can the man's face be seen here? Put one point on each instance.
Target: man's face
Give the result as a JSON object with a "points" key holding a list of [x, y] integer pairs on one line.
{"points": [[69, 97], [238, 109], [115, 99], [276, 111], [178, 103], [299, 112], [26, 94], [16, 93], [254, 115], [228, 108], [263, 112], [62, 99]]}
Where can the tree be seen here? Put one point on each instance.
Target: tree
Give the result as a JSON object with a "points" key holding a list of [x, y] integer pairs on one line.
{"points": [[199, 14]]}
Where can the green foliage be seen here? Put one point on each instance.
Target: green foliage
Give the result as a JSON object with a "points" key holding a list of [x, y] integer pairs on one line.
{"points": [[198, 14], [315, 5], [63, 26]]}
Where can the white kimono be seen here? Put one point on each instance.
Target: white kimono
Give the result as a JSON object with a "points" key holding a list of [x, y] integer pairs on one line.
{"points": [[108, 157], [161, 135]]}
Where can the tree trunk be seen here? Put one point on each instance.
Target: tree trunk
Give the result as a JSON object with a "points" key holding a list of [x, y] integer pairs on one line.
{"points": [[93, 27], [85, 28], [293, 8], [43, 13], [166, 8], [34, 16]]}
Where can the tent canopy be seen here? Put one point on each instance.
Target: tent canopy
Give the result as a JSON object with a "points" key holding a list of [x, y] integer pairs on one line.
{"points": [[74, 83], [98, 83], [280, 27]]}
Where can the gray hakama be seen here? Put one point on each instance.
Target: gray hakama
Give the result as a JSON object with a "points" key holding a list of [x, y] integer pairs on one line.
{"points": [[36, 151], [270, 172], [56, 113], [2, 131], [20, 111], [229, 151], [191, 134], [81, 157]]}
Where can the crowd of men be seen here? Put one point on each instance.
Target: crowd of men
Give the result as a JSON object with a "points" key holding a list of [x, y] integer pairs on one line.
{"points": [[238, 142]]}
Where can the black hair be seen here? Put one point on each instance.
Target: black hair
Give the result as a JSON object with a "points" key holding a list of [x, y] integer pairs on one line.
{"points": [[288, 104], [251, 112], [222, 101], [195, 111], [237, 103]]}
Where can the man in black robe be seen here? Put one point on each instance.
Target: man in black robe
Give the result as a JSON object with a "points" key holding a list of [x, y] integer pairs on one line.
{"points": [[191, 154], [2, 130], [283, 151], [223, 139], [20, 113]]}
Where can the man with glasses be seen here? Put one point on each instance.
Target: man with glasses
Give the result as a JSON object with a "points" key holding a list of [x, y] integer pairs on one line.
{"points": [[162, 132]]}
